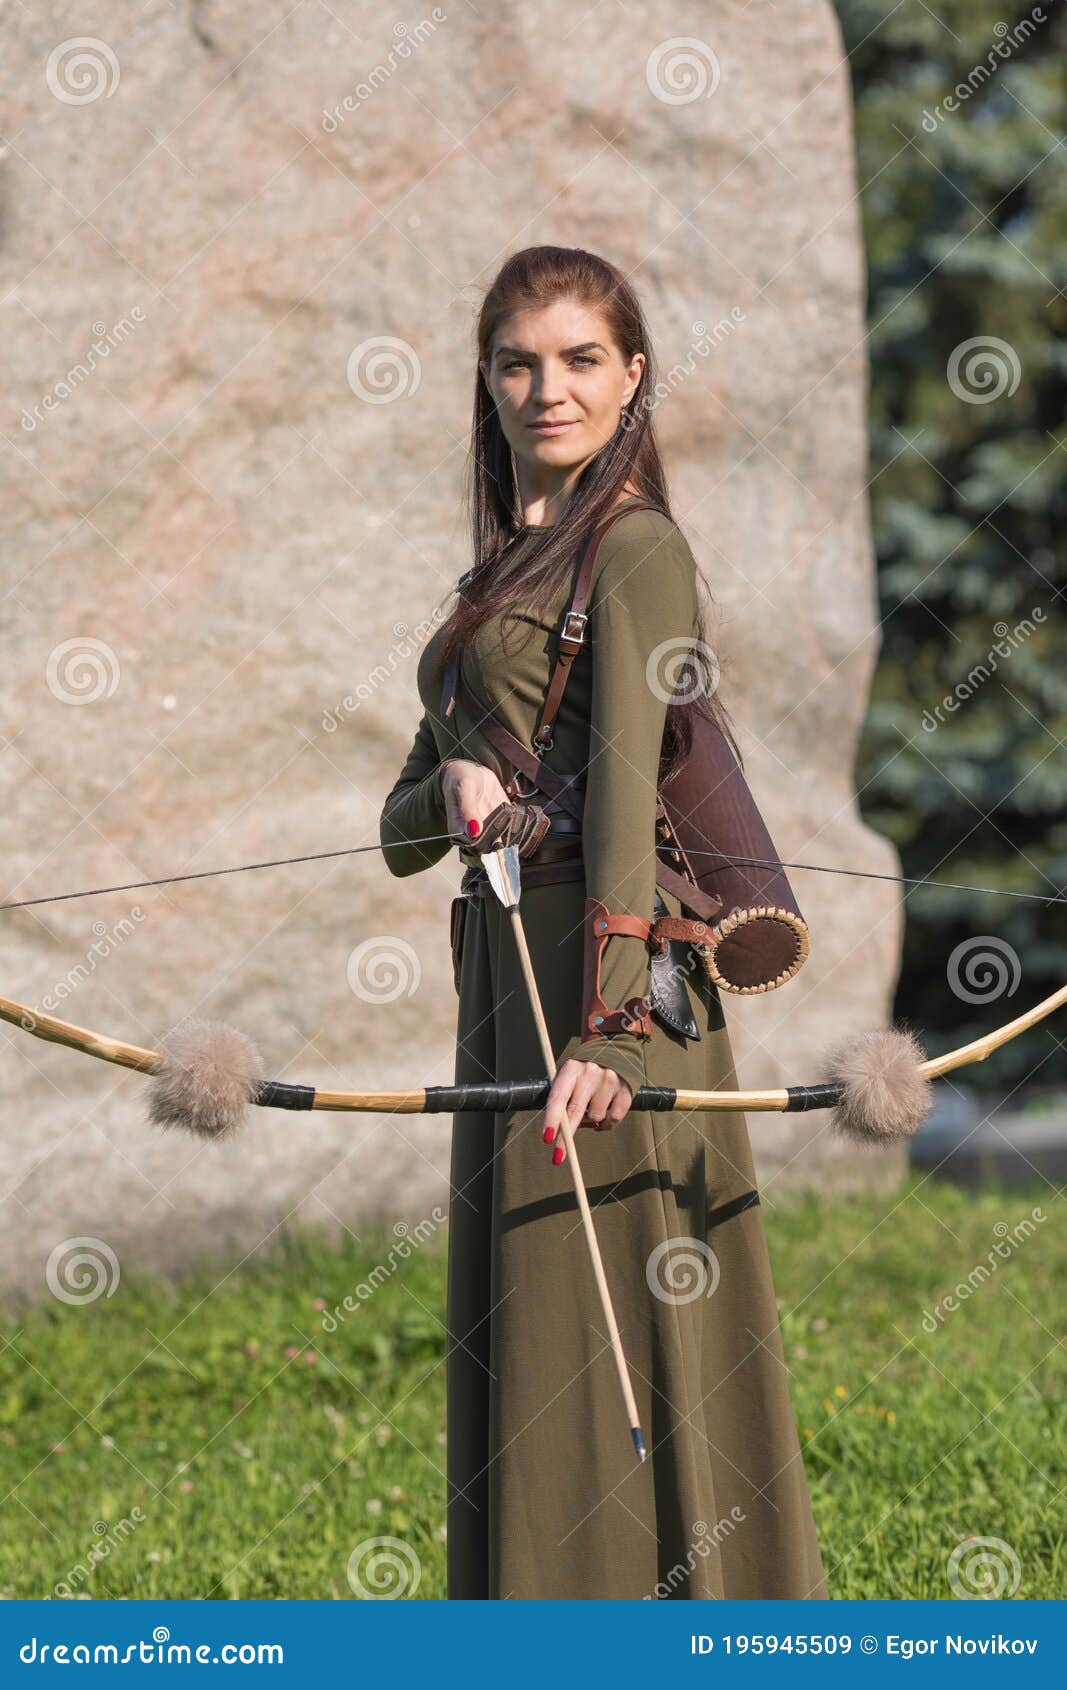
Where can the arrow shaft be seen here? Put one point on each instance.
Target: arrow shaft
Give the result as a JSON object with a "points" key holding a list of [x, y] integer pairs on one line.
{"points": [[578, 1181]]}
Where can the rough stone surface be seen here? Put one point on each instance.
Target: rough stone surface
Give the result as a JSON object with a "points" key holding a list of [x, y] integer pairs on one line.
{"points": [[221, 538]]}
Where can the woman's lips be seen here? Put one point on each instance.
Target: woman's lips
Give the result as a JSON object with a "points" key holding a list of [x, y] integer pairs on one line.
{"points": [[552, 428]]}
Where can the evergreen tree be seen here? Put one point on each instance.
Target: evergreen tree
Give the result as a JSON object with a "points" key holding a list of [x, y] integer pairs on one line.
{"points": [[963, 179]]}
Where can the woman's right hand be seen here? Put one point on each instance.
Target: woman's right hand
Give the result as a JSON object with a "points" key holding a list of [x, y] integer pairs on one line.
{"points": [[470, 792]]}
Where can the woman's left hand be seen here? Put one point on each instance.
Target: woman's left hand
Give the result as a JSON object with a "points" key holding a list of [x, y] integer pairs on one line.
{"points": [[589, 1095]]}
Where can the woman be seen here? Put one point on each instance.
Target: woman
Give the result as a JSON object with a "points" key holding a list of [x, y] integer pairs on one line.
{"points": [[544, 1496]]}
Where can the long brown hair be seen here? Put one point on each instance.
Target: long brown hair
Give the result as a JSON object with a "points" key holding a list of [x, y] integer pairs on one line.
{"points": [[530, 279]]}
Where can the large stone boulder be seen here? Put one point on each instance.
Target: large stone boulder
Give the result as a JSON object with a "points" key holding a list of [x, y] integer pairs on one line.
{"points": [[243, 252]]}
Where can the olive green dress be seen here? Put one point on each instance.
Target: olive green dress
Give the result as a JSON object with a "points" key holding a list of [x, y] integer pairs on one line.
{"points": [[545, 1496]]}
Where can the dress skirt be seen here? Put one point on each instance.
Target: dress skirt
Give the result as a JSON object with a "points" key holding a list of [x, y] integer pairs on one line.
{"points": [[545, 1496]]}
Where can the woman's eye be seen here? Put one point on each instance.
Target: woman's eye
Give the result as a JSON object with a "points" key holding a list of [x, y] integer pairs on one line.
{"points": [[523, 364]]}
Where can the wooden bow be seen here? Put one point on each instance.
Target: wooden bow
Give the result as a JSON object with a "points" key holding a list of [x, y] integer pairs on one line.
{"points": [[856, 1070]]}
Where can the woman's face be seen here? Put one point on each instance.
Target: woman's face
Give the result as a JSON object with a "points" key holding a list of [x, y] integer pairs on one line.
{"points": [[559, 382]]}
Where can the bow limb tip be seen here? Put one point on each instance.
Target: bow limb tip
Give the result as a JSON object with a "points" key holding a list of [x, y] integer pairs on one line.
{"points": [[207, 1075], [884, 1097]]}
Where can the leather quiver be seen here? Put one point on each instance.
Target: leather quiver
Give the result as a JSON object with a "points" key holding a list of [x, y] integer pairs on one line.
{"points": [[761, 939]]}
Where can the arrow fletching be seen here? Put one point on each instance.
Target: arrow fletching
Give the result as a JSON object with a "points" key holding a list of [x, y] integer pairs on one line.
{"points": [[502, 871]]}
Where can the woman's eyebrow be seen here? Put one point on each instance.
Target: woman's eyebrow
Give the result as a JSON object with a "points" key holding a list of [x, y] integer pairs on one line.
{"points": [[521, 351]]}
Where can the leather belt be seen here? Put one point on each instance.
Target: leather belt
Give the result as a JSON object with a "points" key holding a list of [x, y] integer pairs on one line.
{"points": [[670, 967], [559, 850], [542, 869]]}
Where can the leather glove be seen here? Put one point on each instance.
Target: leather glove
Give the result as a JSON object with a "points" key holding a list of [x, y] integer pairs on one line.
{"points": [[524, 825]]}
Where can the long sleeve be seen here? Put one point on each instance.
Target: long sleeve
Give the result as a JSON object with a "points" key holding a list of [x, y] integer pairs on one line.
{"points": [[643, 616], [415, 809]]}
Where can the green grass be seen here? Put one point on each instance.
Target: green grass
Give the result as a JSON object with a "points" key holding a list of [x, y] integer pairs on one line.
{"points": [[250, 1450]]}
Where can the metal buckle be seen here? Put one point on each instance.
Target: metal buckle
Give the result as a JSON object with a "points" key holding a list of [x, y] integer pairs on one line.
{"points": [[574, 616], [514, 783]]}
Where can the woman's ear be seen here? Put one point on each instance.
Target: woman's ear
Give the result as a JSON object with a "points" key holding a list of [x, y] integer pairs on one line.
{"points": [[633, 376]]}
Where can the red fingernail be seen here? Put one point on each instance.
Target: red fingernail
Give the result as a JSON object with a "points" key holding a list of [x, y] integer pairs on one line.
{"points": [[474, 828], [549, 1134], [558, 1154]]}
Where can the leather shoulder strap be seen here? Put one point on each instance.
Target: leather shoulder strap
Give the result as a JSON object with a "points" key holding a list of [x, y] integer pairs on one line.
{"points": [[572, 629]]}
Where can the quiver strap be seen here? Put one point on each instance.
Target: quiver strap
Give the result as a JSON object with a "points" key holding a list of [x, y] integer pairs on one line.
{"points": [[708, 828], [567, 794]]}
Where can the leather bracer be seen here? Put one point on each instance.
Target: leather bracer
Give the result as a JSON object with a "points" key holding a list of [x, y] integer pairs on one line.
{"points": [[597, 1019]]}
